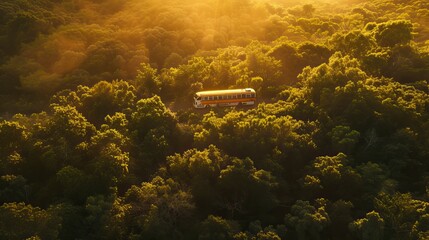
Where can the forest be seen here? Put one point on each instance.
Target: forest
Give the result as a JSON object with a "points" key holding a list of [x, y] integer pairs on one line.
{"points": [[99, 138]]}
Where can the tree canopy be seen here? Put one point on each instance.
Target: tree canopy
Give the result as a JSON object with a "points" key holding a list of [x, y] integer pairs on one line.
{"points": [[99, 138]]}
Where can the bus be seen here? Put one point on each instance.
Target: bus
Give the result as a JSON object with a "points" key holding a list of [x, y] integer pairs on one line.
{"points": [[229, 97]]}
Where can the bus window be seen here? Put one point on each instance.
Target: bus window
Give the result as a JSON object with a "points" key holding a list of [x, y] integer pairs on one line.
{"points": [[234, 96], [210, 97]]}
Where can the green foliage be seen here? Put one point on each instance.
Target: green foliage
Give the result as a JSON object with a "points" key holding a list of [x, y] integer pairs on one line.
{"points": [[160, 209], [72, 181], [69, 124], [217, 228], [111, 160], [336, 146], [257, 134], [340, 214], [20, 221], [154, 131], [106, 98], [336, 177], [109, 54], [218, 181], [354, 43], [13, 137], [147, 82], [370, 227], [403, 215], [343, 138], [13, 189], [23, 21], [308, 220], [246, 190], [393, 33]]}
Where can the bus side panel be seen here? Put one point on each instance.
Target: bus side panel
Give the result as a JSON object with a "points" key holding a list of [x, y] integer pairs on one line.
{"points": [[242, 100]]}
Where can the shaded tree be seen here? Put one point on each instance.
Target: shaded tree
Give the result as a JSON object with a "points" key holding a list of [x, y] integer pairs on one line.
{"points": [[20, 221], [308, 220], [160, 209], [370, 227], [217, 228]]}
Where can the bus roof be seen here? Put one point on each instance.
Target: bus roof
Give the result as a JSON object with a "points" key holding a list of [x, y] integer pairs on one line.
{"points": [[227, 91]]}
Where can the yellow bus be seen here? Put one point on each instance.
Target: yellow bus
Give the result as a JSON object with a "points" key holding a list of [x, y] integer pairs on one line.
{"points": [[229, 97]]}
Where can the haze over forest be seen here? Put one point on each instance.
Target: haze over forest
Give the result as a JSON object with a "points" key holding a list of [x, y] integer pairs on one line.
{"points": [[99, 138]]}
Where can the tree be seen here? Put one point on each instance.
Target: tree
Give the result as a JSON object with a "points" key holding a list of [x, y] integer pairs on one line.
{"points": [[73, 183], [343, 139], [110, 159], [369, 228], [196, 70], [22, 22], [260, 64], [323, 80], [336, 177], [308, 10], [267, 235], [264, 131], [58, 142], [106, 57], [153, 128], [72, 220], [13, 138], [290, 58], [147, 82], [200, 170], [402, 214], [21, 221], [161, 43], [391, 33], [160, 209], [354, 43], [224, 70], [339, 90], [340, 213], [97, 208], [217, 228], [307, 220], [117, 121], [375, 177], [69, 124], [247, 191], [313, 54], [13, 189], [151, 113], [106, 98]]}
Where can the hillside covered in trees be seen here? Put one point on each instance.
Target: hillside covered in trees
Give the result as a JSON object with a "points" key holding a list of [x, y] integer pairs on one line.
{"points": [[99, 139]]}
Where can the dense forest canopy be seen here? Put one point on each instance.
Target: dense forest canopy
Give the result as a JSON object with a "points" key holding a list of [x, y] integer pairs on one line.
{"points": [[99, 139]]}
